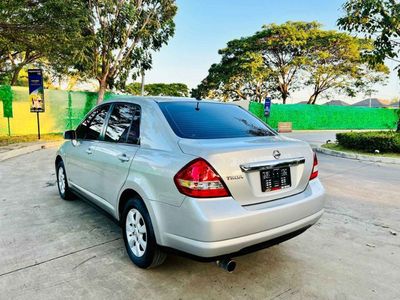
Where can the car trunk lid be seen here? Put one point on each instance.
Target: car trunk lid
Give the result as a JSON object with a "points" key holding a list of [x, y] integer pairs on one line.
{"points": [[239, 162]]}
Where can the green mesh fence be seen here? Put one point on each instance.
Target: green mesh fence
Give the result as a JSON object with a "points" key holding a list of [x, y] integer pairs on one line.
{"points": [[64, 110], [6, 95], [313, 117]]}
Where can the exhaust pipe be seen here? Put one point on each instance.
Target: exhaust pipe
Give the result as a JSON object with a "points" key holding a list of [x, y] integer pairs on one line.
{"points": [[227, 264]]}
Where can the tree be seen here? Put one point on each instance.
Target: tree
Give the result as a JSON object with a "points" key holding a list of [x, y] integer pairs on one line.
{"points": [[284, 49], [267, 62], [335, 62], [280, 59], [378, 19], [159, 89], [125, 32], [240, 75], [52, 31]]}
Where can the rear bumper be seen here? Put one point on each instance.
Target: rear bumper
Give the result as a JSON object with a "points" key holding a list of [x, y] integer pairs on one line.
{"points": [[217, 227], [243, 251], [235, 246]]}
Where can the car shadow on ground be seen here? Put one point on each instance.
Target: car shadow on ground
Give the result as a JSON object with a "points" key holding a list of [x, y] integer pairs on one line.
{"points": [[271, 256]]}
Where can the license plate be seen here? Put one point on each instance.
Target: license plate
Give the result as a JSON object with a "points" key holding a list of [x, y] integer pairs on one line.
{"points": [[275, 179]]}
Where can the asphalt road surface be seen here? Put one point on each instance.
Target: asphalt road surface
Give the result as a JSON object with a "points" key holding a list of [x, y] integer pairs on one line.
{"points": [[313, 137], [51, 248]]}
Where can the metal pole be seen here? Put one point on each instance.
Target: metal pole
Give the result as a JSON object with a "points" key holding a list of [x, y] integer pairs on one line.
{"points": [[142, 86], [370, 100], [69, 110], [38, 125], [398, 121], [8, 122]]}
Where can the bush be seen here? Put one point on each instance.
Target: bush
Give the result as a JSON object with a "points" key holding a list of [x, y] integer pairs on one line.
{"points": [[384, 141]]}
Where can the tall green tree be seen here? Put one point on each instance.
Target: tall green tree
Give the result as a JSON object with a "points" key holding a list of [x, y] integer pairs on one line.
{"points": [[159, 89], [377, 19], [284, 49], [240, 75], [50, 31], [268, 62], [335, 63], [125, 33], [280, 59]]}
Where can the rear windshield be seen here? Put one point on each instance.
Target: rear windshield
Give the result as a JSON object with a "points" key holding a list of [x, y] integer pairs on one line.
{"points": [[205, 120]]}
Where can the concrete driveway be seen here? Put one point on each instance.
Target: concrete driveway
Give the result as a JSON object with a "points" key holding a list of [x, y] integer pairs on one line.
{"points": [[51, 248], [313, 137]]}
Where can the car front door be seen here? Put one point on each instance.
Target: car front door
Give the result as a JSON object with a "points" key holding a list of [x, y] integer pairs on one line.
{"points": [[79, 163], [114, 154]]}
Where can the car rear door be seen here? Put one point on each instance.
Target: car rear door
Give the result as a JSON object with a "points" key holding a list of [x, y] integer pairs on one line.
{"points": [[79, 161], [115, 152]]}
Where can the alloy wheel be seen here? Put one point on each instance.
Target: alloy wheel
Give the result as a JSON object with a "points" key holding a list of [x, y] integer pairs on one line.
{"points": [[136, 232], [61, 180]]}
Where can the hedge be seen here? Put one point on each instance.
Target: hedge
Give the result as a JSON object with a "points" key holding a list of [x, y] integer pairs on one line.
{"points": [[384, 141]]}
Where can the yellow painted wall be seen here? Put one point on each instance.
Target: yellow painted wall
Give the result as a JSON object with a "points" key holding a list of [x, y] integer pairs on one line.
{"points": [[24, 122], [62, 111]]}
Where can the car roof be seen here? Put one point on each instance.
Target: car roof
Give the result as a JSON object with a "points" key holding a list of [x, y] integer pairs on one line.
{"points": [[159, 99]]}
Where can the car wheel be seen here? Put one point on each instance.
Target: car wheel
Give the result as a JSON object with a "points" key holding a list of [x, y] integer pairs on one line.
{"points": [[62, 182], [139, 238]]}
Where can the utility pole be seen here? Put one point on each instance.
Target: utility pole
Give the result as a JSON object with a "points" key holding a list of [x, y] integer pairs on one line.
{"points": [[398, 121], [142, 86], [370, 100]]}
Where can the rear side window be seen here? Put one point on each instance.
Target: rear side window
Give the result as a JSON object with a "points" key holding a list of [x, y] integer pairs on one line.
{"points": [[90, 128], [205, 120], [123, 124]]}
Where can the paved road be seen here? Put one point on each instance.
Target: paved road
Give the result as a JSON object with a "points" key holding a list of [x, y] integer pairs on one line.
{"points": [[51, 249], [313, 137]]}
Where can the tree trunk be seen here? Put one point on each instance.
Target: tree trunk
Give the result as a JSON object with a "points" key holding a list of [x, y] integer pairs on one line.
{"points": [[284, 97], [102, 90], [313, 98], [16, 72], [283, 89]]}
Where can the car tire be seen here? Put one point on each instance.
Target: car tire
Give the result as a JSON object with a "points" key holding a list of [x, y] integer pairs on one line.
{"points": [[62, 182], [140, 241]]}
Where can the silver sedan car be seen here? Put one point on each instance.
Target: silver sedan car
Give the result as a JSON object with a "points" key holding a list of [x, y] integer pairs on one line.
{"points": [[200, 178]]}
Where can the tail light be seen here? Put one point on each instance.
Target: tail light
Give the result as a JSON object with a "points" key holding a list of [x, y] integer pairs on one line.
{"points": [[314, 173], [199, 180]]}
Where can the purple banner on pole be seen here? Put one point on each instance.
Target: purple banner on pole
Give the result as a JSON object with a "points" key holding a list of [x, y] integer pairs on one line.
{"points": [[267, 106], [36, 90]]}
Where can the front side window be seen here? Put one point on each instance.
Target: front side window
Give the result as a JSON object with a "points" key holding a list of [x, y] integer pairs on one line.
{"points": [[123, 124], [90, 128]]}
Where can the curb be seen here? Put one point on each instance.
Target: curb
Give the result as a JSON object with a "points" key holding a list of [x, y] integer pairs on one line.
{"points": [[28, 149], [379, 159]]}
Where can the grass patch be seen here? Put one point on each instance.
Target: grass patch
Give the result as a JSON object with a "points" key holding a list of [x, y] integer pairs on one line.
{"points": [[338, 147], [7, 140]]}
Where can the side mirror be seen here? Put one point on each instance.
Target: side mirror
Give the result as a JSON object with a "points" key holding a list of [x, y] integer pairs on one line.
{"points": [[70, 135]]}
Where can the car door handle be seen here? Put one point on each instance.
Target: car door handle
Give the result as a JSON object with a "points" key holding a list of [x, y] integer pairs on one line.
{"points": [[123, 157], [89, 151]]}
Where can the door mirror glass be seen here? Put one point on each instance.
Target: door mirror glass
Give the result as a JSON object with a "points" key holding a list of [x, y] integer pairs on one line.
{"points": [[70, 135]]}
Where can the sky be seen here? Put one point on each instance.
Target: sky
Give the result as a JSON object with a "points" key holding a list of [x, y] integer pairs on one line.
{"points": [[204, 26]]}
